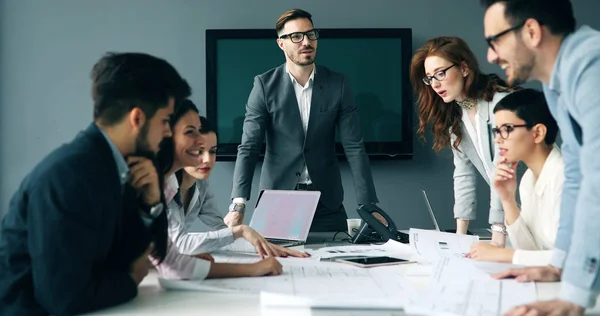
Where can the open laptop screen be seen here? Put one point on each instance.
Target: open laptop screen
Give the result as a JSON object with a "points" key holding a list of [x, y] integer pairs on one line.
{"points": [[285, 214]]}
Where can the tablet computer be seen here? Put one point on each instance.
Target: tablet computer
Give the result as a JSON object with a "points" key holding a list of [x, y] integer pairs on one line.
{"points": [[368, 262]]}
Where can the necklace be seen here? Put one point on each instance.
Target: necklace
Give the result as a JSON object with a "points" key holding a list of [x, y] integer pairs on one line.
{"points": [[467, 104]]}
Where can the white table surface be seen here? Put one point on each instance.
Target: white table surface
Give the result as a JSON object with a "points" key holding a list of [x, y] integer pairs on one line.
{"points": [[154, 300]]}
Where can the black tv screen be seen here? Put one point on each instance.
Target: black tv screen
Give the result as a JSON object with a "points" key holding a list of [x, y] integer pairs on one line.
{"points": [[375, 61]]}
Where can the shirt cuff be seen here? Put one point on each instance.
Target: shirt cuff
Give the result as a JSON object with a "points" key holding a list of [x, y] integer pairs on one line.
{"points": [[239, 200], [226, 236], [496, 217], [558, 258], [201, 269], [576, 295]]}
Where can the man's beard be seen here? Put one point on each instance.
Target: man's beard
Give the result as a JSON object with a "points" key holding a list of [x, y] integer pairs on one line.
{"points": [[142, 146], [522, 73], [298, 61]]}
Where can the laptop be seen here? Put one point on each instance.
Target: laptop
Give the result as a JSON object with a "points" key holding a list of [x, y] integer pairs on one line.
{"points": [[483, 233], [284, 217]]}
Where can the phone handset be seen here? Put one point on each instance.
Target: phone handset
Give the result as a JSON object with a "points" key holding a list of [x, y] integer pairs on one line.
{"points": [[376, 225]]}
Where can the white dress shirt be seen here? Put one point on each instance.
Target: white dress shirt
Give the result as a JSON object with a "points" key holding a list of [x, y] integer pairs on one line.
{"points": [[474, 132], [304, 98], [534, 232], [202, 207]]}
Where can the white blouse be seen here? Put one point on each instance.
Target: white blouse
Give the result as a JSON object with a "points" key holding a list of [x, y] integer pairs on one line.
{"points": [[534, 232]]}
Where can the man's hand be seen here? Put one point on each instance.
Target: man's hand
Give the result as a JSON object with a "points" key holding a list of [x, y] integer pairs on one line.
{"points": [[144, 179], [263, 247], [554, 308], [205, 256], [483, 251], [532, 274], [505, 180], [139, 268], [233, 219], [269, 266]]}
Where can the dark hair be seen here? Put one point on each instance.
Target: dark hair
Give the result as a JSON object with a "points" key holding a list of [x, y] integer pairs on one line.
{"points": [[446, 118], [557, 15], [530, 106], [124, 81], [166, 154], [207, 127], [291, 15]]}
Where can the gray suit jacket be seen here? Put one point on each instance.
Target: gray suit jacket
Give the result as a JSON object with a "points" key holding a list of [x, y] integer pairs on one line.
{"points": [[467, 163], [272, 111]]}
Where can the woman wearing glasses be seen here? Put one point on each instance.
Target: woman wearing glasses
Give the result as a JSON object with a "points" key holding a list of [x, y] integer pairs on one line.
{"points": [[526, 131], [457, 99]]}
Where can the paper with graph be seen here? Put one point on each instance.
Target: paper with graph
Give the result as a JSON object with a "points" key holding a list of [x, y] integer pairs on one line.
{"points": [[432, 245], [321, 284], [459, 288]]}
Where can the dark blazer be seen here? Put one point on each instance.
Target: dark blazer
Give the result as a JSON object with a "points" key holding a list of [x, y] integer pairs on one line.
{"points": [[272, 111], [70, 235]]}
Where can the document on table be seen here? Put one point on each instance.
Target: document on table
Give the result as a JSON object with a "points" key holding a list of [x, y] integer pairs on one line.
{"points": [[459, 288], [319, 284], [391, 248], [432, 245]]}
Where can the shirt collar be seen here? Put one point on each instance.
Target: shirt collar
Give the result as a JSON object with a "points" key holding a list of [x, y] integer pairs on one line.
{"points": [[554, 83], [122, 168], [171, 188], [310, 79], [547, 174]]}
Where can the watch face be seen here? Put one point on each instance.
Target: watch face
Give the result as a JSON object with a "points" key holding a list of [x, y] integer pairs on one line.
{"points": [[156, 210]]}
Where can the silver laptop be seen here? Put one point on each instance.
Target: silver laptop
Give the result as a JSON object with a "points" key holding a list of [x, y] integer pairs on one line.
{"points": [[483, 233], [284, 217]]}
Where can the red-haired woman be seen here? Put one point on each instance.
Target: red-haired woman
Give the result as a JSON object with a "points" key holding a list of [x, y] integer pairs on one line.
{"points": [[457, 100]]}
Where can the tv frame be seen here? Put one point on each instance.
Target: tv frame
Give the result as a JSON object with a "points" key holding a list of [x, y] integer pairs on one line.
{"points": [[375, 150]]}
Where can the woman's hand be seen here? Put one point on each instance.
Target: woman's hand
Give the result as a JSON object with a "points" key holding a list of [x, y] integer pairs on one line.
{"points": [[262, 246]]}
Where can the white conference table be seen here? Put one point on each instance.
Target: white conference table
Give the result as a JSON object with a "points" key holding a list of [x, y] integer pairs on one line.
{"points": [[152, 299]]}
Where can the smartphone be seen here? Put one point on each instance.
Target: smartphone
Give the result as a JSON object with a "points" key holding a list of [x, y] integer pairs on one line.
{"points": [[369, 262]]}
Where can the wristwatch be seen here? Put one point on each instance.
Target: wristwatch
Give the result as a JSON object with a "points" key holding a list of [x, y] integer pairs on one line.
{"points": [[499, 229], [237, 207], [153, 211]]}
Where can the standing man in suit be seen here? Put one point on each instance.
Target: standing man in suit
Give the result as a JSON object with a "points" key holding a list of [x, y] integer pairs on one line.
{"points": [[298, 106], [81, 226]]}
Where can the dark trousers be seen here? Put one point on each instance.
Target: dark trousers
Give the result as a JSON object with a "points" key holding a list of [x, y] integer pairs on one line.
{"points": [[326, 219]]}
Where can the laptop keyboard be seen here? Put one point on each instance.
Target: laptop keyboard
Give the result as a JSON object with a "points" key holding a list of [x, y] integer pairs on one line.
{"points": [[284, 242]]}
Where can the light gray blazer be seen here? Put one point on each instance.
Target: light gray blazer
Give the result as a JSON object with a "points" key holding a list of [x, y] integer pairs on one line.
{"points": [[272, 115], [467, 163]]}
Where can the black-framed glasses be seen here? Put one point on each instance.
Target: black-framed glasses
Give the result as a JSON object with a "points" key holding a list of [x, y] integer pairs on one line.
{"points": [[298, 37], [491, 39], [439, 75], [506, 129]]}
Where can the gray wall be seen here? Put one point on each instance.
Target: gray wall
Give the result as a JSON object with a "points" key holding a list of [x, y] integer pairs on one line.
{"points": [[47, 49]]}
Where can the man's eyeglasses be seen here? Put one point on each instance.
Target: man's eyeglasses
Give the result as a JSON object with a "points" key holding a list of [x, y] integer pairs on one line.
{"points": [[439, 76], [298, 37], [506, 129], [491, 39]]}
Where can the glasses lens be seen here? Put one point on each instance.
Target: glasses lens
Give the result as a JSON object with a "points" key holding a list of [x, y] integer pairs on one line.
{"points": [[312, 35], [440, 75], [297, 37], [426, 81]]}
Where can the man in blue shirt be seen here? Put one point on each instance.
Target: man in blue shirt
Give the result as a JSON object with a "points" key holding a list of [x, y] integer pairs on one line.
{"points": [[537, 40]]}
